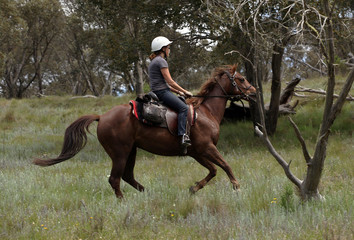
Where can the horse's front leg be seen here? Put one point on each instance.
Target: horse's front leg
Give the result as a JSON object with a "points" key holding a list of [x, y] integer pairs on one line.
{"points": [[217, 159], [212, 172], [212, 154]]}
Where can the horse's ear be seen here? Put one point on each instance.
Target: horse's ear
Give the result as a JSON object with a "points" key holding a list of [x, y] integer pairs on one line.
{"points": [[234, 67]]}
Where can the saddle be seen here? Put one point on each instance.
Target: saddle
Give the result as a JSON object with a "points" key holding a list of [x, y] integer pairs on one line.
{"points": [[150, 111]]}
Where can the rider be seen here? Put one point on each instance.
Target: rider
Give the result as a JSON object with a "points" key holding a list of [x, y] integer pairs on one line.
{"points": [[161, 83]]}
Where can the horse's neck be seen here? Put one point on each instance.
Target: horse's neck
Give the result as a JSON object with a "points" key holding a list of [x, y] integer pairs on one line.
{"points": [[216, 105]]}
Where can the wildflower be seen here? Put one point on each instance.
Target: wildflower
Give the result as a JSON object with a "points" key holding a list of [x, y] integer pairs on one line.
{"points": [[91, 217]]}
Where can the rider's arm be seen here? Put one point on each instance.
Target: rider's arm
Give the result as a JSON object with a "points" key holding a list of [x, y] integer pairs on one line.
{"points": [[174, 86]]}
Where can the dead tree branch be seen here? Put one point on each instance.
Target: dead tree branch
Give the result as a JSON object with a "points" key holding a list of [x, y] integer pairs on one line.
{"points": [[86, 96], [280, 160], [308, 65], [288, 92], [302, 142], [321, 92]]}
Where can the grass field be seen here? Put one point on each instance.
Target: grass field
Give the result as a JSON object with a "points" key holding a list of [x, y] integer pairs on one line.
{"points": [[73, 200]]}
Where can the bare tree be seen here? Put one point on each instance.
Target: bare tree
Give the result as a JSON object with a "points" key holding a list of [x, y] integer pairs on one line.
{"points": [[308, 187]]}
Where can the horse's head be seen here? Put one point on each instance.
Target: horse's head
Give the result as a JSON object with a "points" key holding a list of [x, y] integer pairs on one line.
{"points": [[239, 86], [230, 84]]}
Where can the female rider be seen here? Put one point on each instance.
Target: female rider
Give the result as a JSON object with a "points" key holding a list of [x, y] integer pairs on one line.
{"points": [[162, 84]]}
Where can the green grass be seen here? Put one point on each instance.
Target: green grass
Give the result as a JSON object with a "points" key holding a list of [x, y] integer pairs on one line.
{"points": [[73, 200]]}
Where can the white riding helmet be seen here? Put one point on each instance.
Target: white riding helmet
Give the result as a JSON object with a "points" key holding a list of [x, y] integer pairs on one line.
{"points": [[158, 43]]}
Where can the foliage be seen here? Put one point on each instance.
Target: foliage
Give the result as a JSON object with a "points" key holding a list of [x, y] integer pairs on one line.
{"points": [[29, 29], [101, 47], [287, 199]]}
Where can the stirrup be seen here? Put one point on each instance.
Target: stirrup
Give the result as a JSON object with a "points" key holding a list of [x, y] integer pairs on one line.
{"points": [[186, 142]]}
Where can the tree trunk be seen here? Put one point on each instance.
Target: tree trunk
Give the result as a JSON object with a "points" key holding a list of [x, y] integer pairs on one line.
{"points": [[140, 80], [309, 188], [254, 111], [272, 114]]}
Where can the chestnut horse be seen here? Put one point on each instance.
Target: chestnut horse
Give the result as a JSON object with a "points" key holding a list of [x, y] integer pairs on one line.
{"points": [[120, 133]]}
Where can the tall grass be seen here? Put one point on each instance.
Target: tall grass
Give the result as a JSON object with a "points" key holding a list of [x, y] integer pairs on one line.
{"points": [[73, 200]]}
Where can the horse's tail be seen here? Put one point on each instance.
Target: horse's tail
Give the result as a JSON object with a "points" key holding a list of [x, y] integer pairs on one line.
{"points": [[74, 140]]}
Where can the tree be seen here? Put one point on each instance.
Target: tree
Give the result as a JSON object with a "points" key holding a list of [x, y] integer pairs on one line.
{"points": [[259, 32], [130, 26], [12, 28], [308, 187], [35, 24], [125, 25]]}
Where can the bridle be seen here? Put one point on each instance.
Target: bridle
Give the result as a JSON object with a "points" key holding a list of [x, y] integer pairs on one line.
{"points": [[234, 97]]}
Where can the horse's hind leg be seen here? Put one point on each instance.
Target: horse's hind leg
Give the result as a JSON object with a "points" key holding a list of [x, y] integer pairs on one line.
{"points": [[212, 172], [116, 175], [119, 156], [128, 174]]}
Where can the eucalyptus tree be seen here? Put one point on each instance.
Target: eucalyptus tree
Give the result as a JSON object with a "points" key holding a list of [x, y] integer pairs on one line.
{"points": [[11, 26], [127, 29], [32, 28]]}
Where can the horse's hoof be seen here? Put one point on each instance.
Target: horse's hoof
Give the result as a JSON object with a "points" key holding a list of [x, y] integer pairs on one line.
{"points": [[236, 187], [192, 190]]}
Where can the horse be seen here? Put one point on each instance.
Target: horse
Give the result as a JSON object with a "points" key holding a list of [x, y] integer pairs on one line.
{"points": [[120, 133]]}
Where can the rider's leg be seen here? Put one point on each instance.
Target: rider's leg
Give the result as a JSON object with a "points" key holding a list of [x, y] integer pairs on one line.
{"points": [[172, 101]]}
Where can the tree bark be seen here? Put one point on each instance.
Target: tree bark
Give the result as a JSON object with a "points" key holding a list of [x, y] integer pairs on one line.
{"points": [[140, 80], [272, 114], [250, 75]]}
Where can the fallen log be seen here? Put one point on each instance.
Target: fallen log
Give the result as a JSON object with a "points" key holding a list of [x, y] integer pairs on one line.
{"points": [[85, 96], [238, 112], [288, 91], [319, 91]]}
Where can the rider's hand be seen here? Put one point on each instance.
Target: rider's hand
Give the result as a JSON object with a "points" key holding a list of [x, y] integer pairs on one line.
{"points": [[181, 93], [188, 94]]}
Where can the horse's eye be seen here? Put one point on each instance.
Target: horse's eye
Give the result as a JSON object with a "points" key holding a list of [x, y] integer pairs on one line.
{"points": [[242, 80]]}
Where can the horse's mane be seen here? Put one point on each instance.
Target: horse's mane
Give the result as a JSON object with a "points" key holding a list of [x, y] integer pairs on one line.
{"points": [[209, 84]]}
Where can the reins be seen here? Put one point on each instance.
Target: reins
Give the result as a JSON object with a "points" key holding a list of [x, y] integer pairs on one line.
{"points": [[232, 98]]}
